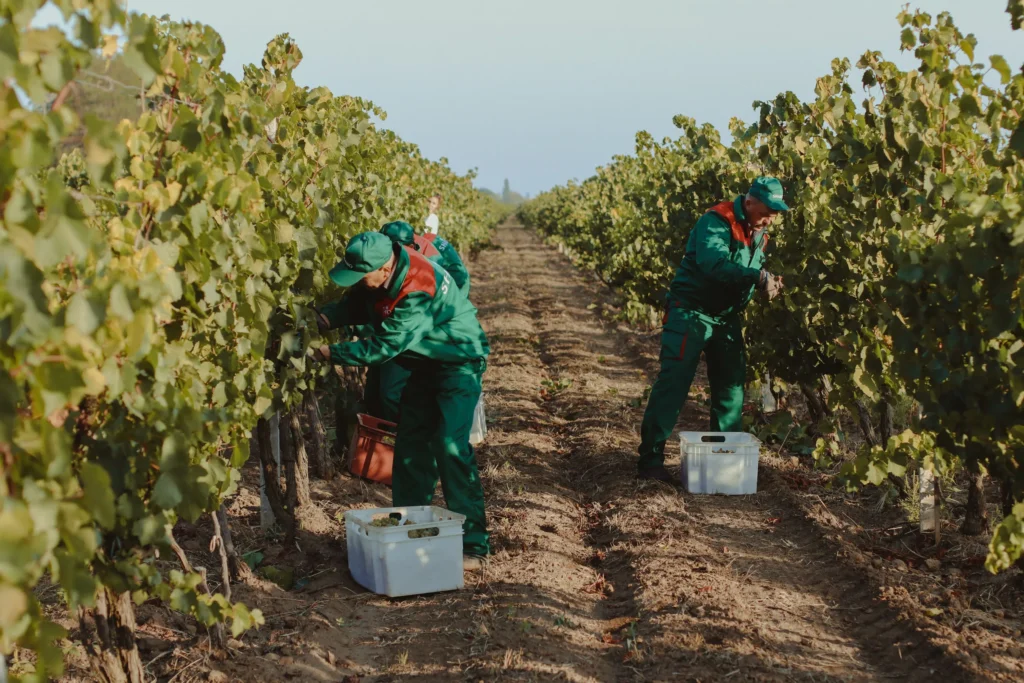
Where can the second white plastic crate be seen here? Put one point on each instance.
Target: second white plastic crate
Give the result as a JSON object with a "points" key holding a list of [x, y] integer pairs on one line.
{"points": [[386, 560], [719, 462]]}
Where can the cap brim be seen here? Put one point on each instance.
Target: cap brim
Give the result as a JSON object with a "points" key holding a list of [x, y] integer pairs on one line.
{"points": [[775, 205], [343, 277]]}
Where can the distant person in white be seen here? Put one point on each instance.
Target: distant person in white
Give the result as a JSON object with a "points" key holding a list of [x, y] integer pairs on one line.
{"points": [[432, 222]]}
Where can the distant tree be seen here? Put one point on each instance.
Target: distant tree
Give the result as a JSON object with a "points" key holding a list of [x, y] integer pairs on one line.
{"points": [[507, 196]]}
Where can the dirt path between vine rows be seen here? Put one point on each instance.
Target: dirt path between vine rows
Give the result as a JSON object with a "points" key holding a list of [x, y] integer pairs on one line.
{"points": [[684, 587], [596, 577]]}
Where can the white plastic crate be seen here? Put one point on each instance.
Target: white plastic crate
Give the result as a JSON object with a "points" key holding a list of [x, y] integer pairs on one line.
{"points": [[387, 561], [719, 462]]}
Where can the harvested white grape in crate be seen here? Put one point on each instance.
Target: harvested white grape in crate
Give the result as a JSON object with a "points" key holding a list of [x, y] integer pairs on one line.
{"points": [[405, 551]]}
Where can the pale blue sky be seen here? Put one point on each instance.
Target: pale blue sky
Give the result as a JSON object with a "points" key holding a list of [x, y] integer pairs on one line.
{"points": [[544, 91]]}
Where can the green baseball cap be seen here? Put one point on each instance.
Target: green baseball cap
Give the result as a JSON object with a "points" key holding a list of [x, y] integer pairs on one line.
{"points": [[366, 252], [768, 191], [399, 231]]}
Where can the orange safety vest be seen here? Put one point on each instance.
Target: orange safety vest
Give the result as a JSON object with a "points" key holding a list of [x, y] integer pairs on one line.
{"points": [[741, 233], [425, 245]]}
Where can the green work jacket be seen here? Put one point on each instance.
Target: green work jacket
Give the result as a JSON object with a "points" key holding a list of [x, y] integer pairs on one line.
{"points": [[722, 264], [420, 316], [441, 252]]}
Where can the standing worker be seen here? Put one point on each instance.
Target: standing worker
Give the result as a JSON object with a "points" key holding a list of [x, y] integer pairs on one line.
{"points": [[421, 320], [432, 222], [714, 283], [385, 382]]}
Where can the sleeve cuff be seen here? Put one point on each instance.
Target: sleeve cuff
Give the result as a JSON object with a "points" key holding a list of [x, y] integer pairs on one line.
{"points": [[338, 355]]}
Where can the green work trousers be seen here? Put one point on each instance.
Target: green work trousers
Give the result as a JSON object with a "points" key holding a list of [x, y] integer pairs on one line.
{"points": [[685, 336], [433, 439], [384, 386]]}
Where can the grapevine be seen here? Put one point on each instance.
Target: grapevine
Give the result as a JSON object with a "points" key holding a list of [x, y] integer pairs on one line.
{"points": [[155, 293], [902, 257]]}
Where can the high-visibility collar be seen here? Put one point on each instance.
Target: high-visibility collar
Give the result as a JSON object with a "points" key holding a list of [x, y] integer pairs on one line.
{"points": [[737, 219], [413, 273]]}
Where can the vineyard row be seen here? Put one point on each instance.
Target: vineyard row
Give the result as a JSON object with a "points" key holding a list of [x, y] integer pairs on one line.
{"points": [[902, 256], [156, 293]]}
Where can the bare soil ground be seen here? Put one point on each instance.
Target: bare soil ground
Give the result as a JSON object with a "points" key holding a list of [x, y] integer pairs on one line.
{"points": [[597, 577]]}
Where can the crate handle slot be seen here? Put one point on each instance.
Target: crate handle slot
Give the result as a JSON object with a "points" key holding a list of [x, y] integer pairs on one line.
{"points": [[710, 438]]}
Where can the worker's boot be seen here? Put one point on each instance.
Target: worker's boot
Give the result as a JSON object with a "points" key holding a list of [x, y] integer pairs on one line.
{"points": [[657, 473], [474, 563]]}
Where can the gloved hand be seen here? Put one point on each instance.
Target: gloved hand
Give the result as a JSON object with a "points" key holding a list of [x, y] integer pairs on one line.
{"points": [[770, 284], [322, 353]]}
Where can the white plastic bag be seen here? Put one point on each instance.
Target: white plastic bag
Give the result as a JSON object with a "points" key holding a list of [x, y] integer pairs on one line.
{"points": [[479, 428], [768, 402]]}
